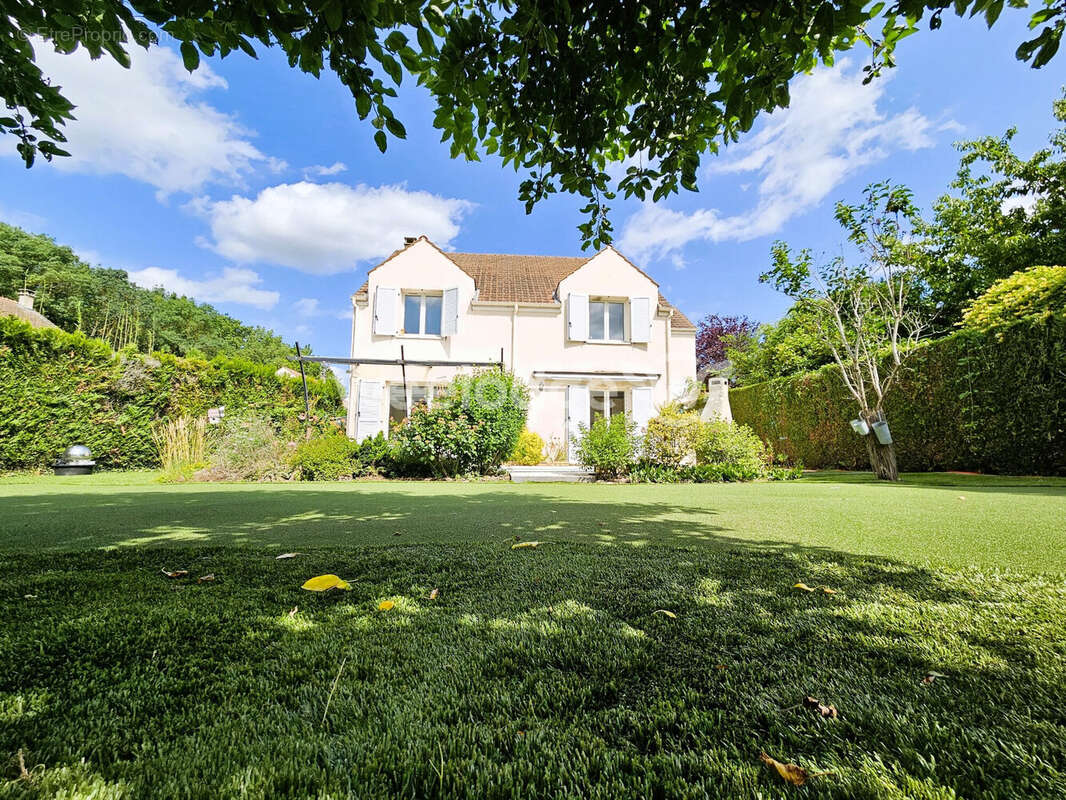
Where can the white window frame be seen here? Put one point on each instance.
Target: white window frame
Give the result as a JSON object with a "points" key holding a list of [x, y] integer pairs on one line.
{"points": [[432, 390], [607, 302], [605, 396], [421, 314]]}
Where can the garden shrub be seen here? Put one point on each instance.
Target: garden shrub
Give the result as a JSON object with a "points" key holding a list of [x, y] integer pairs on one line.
{"points": [[529, 450], [726, 443], [471, 428], [58, 389], [1033, 295], [608, 448], [495, 403], [328, 457], [981, 401], [374, 454], [671, 437], [247, 449], [439, 442]]}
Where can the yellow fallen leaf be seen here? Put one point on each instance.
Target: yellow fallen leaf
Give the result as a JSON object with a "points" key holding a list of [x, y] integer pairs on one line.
{"points": [[433, 594], [792, 773], [520, 545], [206, 578], [178, 573], [287, 555], [803, 586], [827, 590], [323, 583], [665, 613], [386, 605]]}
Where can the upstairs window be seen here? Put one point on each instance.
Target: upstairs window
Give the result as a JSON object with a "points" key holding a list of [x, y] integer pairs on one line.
{"points": [[422, 314], [607, 321]]}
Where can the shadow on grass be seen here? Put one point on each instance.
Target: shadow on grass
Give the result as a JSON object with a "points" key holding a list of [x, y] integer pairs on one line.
{"points": [[545, 672]]}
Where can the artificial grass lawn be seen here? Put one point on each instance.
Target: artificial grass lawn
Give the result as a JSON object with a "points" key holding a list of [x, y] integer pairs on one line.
{"points": [[536, 672], [943, 519]]}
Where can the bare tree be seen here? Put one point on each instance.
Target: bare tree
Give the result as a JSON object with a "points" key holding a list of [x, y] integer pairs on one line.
{"points": [[869, 311]]}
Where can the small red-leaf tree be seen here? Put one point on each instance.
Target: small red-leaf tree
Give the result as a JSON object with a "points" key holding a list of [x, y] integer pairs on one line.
{"points": [[715, 334], [869, 312]]}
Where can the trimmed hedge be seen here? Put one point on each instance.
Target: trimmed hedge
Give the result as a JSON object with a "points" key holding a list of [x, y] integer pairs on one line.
{"points": [[59, 389], [980, 401]]}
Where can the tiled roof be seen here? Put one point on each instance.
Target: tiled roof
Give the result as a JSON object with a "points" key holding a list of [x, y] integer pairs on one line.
{"points": [[500, 277], [11, 308]]}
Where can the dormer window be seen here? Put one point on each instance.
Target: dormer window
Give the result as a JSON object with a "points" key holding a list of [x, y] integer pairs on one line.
{"points": [[607, 320], [422, 314]]}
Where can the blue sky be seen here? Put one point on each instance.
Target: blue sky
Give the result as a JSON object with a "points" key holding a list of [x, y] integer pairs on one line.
{"points": [[255, 187]]}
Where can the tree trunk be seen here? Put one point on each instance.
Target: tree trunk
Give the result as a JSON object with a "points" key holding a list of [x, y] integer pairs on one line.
{"points": [[882, 456]]}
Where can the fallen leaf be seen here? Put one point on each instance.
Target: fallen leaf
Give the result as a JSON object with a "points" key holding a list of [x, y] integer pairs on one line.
{"points": [[294, 610], [803, 586], [665, 613], [520, 545], [323, 583], [287, 555], [719, 666], [827, 590], [206, 578], [386, 605], [178, 573], [433, 594], [961, 497], [792, 773], [932, 676], [816, 705], [397, 534], [29, 597]]}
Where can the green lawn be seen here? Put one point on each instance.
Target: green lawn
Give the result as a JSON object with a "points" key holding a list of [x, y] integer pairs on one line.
{"points": [[535, 672], [943, 519]]}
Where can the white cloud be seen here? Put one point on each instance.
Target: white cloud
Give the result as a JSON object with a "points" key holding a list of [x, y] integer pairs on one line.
{"points": [[832, 129], [319, 170], [306, 306], [234, 285], [147, 122], [326, 228]]}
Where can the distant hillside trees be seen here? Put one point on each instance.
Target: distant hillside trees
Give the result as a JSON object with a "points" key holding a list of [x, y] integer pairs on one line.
{"points": [[102, 303]]}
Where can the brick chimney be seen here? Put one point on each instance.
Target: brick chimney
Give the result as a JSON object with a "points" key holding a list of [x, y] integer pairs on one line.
{"points": [[26, 298]]}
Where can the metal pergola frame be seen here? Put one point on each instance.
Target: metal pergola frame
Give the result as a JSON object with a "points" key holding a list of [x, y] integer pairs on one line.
{"points": [[400, 362]]}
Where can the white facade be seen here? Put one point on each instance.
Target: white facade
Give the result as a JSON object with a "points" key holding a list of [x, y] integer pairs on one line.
{"points": [[603, 340]]}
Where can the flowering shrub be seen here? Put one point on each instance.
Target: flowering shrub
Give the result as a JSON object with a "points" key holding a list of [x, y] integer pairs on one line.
{"points": [[326, 458], [529, 450], [735, 445], [471, 428], [672, 436]]}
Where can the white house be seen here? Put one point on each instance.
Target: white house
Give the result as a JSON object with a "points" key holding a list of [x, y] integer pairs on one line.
{"points": [[589, 336]]}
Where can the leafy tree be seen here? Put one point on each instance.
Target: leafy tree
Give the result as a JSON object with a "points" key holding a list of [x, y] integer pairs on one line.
{"points": [[715, 333], [1032, 295], [1009, 215], [102, 303], [558, 89], [868, 313], [793, 344]]}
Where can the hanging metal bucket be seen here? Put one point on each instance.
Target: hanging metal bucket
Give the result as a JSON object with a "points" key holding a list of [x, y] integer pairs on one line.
{"points": [[860, 427], [884, 436]]}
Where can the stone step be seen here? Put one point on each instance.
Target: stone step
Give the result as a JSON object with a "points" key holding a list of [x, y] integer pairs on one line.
{"points": [[549, 474]]}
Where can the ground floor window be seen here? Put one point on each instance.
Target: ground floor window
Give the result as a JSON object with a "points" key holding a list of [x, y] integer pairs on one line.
{"points": [[606, 403], [401, 403]]}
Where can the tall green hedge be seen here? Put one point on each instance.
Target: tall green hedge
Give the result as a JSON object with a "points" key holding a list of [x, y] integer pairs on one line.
{"points": [[59, 389], [981, 401]]}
